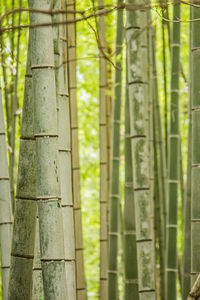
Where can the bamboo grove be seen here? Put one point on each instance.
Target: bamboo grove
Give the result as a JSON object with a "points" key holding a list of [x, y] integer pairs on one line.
{"points": [[99, 150]]}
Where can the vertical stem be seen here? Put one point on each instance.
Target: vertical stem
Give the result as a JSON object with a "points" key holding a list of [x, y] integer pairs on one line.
{"points": [[26, 206], [71, 44], [5, 207], [138, 96], [103, 157], [195, 171], [130, 252], [47, 160], [114, 216], [187, 203], [65, 155], [162, 173], [14, 114], [173, 161]]}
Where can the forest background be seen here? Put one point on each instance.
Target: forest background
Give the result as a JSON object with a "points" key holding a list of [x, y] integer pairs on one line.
{"points": [[88, 109]]}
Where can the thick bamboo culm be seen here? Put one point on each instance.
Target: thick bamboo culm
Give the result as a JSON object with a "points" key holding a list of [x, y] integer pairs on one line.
{"points": [[130, 252], [65, 155], [71, 54], [138, 98], [26, 206], [187, 204], [195, 183], [103, 159], [47, 161], [114, 201], [5, 207], [173, 162]]}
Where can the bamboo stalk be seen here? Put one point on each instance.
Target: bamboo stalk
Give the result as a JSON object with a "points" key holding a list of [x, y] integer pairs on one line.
{"points": [[65, 156], [161, 182], [187, 203], [20, 284], [137, 80], [71, 44], [130, 252], [195, 185], [5, 207], [14, 114], [114, 217], [103, 159], [173, 161], [47, 161]]}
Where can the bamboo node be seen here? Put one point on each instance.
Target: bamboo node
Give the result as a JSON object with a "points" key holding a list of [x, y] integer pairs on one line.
{"points": [[113, 271], [130, 232], [173, 181], [131, 281], [195, 220], [114, 196], [171, 270], [50, 67], [172, 225], [113, 233]]}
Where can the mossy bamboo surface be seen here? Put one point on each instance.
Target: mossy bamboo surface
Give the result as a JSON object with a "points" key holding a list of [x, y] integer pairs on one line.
{"points": [[138, 97], [20, 285], [5, 207], [195, 171], [47, 161], [71, 44], [173, 162], [64, 155], [187, 204], [114, 216], [130, 252], [103, 158]]}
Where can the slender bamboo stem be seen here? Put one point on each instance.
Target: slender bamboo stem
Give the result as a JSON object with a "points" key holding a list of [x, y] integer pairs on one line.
{"points": [[114, 217], [138, 92], [14, 113], [47, 160], [130, 252], [71, 44], [20, 284], [5, 207], [65, 155], [103, 159], [195, 184], [187, 203], [173, 161], [160, 181]]}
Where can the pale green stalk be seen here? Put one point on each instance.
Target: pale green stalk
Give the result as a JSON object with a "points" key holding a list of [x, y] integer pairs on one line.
{"points": [[71, 55], [195, 163], [103, 159], [20, 284], [130, 254], [64, 156], [47, 160], [5, 207], [187, 203], [173, 161], [138, 96], [114, 216]]}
